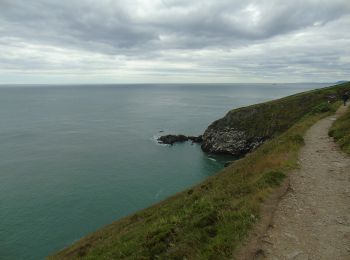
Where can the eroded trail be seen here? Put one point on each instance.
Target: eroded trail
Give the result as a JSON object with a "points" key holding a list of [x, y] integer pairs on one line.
{"points": [[312, 220]]}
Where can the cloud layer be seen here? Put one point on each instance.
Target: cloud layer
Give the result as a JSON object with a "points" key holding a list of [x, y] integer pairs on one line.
{"points": [[47, 41]]}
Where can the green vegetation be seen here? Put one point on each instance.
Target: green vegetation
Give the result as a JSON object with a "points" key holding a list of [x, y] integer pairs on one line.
{"points": [[209, 220], [341, 131], [243, 129], [280, 114]]}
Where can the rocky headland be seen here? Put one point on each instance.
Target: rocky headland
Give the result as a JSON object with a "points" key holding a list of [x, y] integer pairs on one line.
{"points": [[244, 129]]}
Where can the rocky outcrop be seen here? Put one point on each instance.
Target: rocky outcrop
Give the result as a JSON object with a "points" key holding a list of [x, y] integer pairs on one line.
{"points": [[230, 141], [196, 139], [242, 130], [171, 139]]}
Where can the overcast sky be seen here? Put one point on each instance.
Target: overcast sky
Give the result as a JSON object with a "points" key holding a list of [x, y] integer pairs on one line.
{"points": [[143, 41]]}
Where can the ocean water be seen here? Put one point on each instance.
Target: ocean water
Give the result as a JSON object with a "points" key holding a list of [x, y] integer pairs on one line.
{"points": [[75, 158]]}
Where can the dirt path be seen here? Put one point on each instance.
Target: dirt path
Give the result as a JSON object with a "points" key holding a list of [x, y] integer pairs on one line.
{"points": [[312, 221]]}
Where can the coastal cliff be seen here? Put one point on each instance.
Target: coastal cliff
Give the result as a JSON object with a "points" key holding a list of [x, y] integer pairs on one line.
{"points": [[244, 129], [211, 220]]}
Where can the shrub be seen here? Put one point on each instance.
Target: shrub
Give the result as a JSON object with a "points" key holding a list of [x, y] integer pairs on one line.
{"points": [[322, 108]]}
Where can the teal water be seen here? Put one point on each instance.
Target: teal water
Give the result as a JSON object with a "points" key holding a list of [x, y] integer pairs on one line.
{"points": [[75, 158]]}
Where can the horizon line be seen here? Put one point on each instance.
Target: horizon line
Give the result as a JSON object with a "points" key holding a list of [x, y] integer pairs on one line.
{"points": [[172, 83]]}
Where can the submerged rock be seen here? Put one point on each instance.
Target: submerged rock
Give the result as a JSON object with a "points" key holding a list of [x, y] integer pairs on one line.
{"points": [[171, 139], [196, 139]]}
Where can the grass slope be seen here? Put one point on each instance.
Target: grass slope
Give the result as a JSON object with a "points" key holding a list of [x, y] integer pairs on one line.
{"points": [[341, 131], [280, 114], [209, 220]]}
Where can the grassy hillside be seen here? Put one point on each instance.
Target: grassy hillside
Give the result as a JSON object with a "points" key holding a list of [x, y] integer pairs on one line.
{"points": [[341, 131], [242, 130], [209, 220]]}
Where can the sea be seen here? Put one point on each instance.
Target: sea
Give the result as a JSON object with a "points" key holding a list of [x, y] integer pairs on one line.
{"points": [[74, 158]]}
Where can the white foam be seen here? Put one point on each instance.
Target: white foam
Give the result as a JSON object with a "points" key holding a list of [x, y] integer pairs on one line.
{"points": [[155, 140]]}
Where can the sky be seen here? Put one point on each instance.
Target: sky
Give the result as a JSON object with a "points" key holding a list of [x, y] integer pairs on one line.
{"points": [[174, 41]]}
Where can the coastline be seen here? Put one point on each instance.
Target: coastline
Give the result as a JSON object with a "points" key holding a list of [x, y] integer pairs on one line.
{"points": [[246, 183]]}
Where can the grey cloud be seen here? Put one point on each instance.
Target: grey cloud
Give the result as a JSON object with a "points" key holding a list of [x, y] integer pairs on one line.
{"points": [[115, 27], [226, 38], [72, 23]]}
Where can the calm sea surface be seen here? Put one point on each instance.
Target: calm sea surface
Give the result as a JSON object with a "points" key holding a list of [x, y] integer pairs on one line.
{"points": [[75, 158]]}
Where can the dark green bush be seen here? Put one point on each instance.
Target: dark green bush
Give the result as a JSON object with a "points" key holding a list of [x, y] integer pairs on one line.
{"points": [[322, 108]]}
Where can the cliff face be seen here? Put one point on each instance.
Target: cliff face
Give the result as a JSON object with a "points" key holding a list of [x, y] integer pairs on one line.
{"points": [[242, 130], [230, 140]]}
